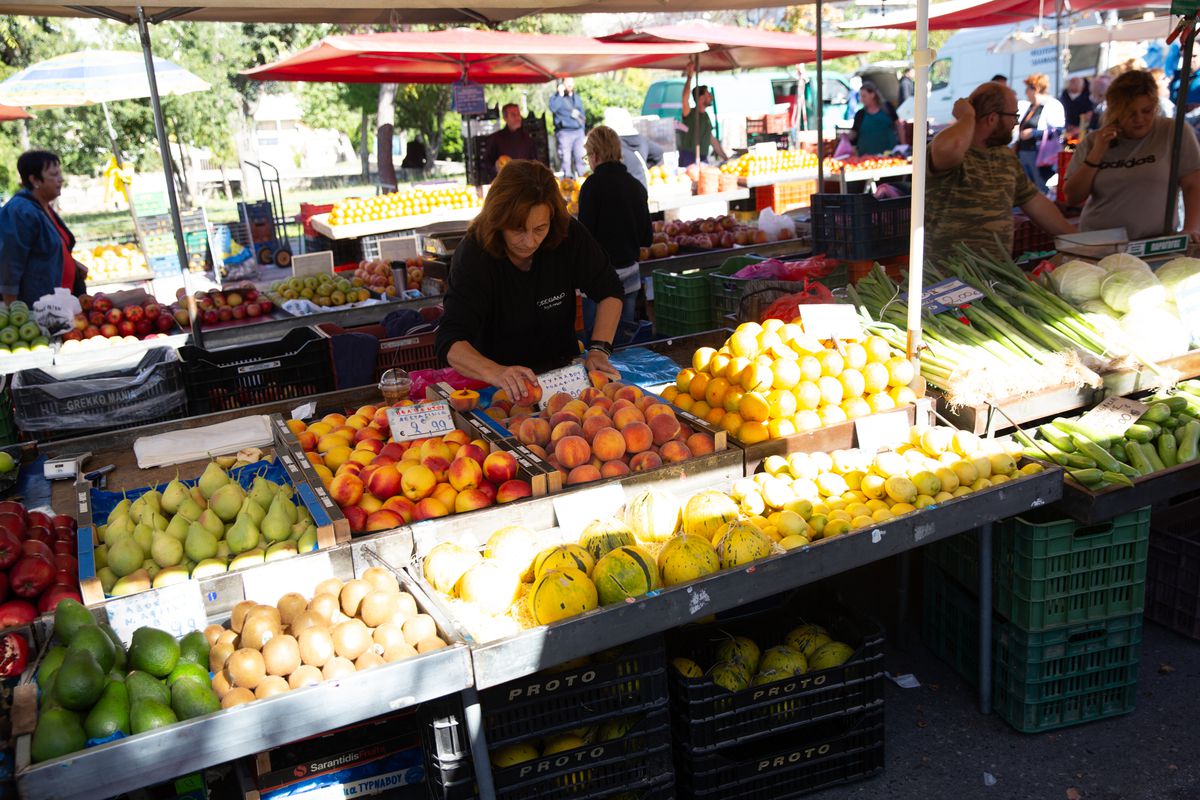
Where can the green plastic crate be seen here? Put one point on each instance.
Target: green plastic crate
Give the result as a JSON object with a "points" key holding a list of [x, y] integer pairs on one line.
{"points": [[8, 422], [681, 302], [950, 621], [1066, 676]]}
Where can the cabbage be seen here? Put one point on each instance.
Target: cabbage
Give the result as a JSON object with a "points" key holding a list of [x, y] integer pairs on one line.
{"points": [[1099, 307], [1156, 335], [1077, 281], [1120, 261], [1132, 289], [1179, 275]]}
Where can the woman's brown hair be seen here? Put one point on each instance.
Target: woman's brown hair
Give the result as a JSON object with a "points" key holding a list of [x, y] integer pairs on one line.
{"points": [[519, 187], [1126, 89], [1039, 82]]}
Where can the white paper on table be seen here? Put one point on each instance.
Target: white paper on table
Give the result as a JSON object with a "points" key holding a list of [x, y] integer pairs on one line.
{"points": [[223, 438]]}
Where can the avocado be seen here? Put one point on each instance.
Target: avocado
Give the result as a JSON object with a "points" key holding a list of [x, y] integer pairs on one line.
{"points": [[191, 698], [118, 645], [146, 715], [69, 616], [143, 686], [186, 669], [58, 732], [153, 651], [50, 664], [110, 714], [194, 648], [79, 681], [95, 641]]}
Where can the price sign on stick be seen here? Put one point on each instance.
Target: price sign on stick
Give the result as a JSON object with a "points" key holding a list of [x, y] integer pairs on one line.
{"points": [[312, 264], [831, 321], [421, 421], [268, 583], [576, 510], [877, 432], [1114, 415], [571, 379], [176, 609], [947, 294]]}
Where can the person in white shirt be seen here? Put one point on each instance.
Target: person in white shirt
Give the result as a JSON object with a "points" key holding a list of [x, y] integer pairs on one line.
{"points": [[1042, 120]]}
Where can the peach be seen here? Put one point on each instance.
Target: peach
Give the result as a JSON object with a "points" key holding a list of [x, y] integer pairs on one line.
{"points": [[576, 407], [499, 467], [464, 400], [357, 518], [379, 419], [345, 431], [346, 489], [373, 446], [593, 425], [598, 379], [514, 423], [675, 451], [700, 444], [445, 494], [618, 405], [521, 411], [536, 449], [357, 422], [572, 451], [370, 503], [362, 457], [454, 448], [412, 455], [513, 490], [435, 448], [645, 401], [596, 410], [472, 451], [532, 395], [334, 420], [429, 508], [437, 465], [644, 461], [564, 416], [384, 481], [367, 411], [638, 437], [470, 500], [590, 395], [464, 473], [332, 440], [457, 437], [488, 490], [533, 430], [626, 417], [501, 396], [394, 450], [307, 439], [349, 468], [664, 428], [313, 458], [319, 429], [657, 409], [609, 444], [383, 520], [613, 469], [610, 388], [296, 425], [497, 413], [564, 429], [418, 482], [583, 474], [557, 401], [630, 393], [401, 506], [369, 434]]}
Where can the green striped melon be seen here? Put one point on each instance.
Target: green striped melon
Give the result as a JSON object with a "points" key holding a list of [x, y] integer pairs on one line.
{"points": [[563, 556], [706, 512], [740, 543], [560, 593], [624, 572], [686, 557], [730, 676], [602, 535], [653, 515]]}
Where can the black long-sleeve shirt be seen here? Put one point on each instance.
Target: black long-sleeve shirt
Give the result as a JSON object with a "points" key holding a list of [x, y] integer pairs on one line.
{"points": [[612, 205], [514, 316]]}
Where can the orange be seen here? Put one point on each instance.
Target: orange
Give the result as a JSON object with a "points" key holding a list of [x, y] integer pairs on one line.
{"points": [[856, 407], [718, 364], [733, 398], [714, 394], [810, 368], [782, 403], [702, 358], [878, 350], [753, 432], [684, 401], [670, 393], [737, 365], [900, 372], [831, 415], [698, 385], [831, 390], [768, 340], [786, 374], [808, 420], [714, 416], [856, 355], [756, 378], [731, 422], [683, 380], [700, 408], [754, 408], [808, 395], [743, 343]]}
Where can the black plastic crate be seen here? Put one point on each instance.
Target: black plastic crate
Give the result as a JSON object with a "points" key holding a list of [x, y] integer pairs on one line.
{"points": [[1173, 574], [449, 770], [48, 407], [838, 751], [623, 680], [222, 380], [708, 716], [857, 226]]}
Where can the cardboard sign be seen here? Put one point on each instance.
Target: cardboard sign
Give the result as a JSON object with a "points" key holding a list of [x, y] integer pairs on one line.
{"points": [[575, 510], [421, 421], [312, 264], [831, 321], [177, 609], [947, 294], [1114, 415], [571, 379], [268, 583], [401, 248], [876, 432]]}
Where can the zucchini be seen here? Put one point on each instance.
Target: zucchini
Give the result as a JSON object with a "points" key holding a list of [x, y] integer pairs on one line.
{"points": [[1057, 438], [1171, 423], [1167, 448], [1102, 457], [1118, 452], [1140, 433], [1127, 470], [1152, 457], [1189, 444], [1159, 411], [1077, 461], [1117, 479], [1088, 477], [1077, 430], [1138, 460]]}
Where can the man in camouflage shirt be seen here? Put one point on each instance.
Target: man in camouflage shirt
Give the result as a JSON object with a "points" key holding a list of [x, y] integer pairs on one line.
{"points": [[975, 180]]}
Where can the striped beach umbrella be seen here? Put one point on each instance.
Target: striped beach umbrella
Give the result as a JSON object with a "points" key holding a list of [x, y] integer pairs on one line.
{"points": [[89, 77]]}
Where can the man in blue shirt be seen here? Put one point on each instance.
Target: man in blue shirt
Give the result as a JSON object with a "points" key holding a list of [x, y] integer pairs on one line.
{"points": [[567, 108], [35, 244]]}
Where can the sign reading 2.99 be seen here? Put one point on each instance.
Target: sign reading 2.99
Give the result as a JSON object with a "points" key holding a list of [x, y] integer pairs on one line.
{"points": [[420, 421]]}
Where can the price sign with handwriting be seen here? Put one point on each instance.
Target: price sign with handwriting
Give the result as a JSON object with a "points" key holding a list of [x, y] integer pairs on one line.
{"points": [[1114, 415], [571, 379], [831, 321], [420, 421], [312, 264], [177, 609], [876, 432], [947, 294], [576, 510], [268, 583]]}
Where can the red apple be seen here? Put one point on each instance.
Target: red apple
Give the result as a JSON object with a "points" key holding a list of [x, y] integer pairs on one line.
{"points": [[96, 318], [266, 306], [143, 327], [17, 612], [56, 594], [3, 586], [134, 313], [239, 311], [211, 317], [109, 330], [14, 523], [10, 549], [73, 336], [91, 332], [34, 548], [114, 316], [63, 521], [126, 328], [85, 302], [152, 310], [63, 547], [39, 533], [251, 295], [66, 562], [31, 576], [253, 310], [164, 322], [224, 313], [80, 321], [39, 518], [101, 303]]}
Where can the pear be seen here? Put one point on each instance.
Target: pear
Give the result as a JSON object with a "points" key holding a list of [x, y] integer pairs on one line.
{"points": [[143, 534], [263, 542], [132, 584], [199, 497], [108, 579], [281, 550], [150, 568], [152, 500], [136, 508], [121, 509], [200, 543], [242, 535], [227, 501], [167, 551], [173, 496], [223, 551], [178, 527], [302, 515], [100, 556], [286, 490], [307, 541], [156, 521], [213, 479], [297, 529], [252, 509], [208, 567], [169, 575], [117, 529], [262, 491], [125, 557], [189, 509], [276, 525], [211, 522], [250, 558]]}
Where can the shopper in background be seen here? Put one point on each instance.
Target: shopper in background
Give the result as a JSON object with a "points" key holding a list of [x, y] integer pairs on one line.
{"points": [[1041, 121], [508, 143], [613, 207], [1000, 79], [1099, 87], [35, 244], [1121, 170], [510, 299], [1076, 101], [698, 124], [907, 87], [567, 108], [1164, 92], [877, 128]]}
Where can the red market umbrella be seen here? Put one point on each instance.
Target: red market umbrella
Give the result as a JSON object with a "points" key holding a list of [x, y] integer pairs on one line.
{"points": [[731, 47], [982, 13], [449, 56], [8, 113]]}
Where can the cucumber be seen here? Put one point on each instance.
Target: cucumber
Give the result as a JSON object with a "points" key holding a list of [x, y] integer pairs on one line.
{"points": [[1189, 445], [1088, 477], [1077, 461], [1171, 423], [1057, 438], [1152, 457], [1140, 433], [1138, 460], [1127, 470], [1102, 457], [1077, 429], [1118, 452], [1117, 479], [1167, 448], [1158, 411]]}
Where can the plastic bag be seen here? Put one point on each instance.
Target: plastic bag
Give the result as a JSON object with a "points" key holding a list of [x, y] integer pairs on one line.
{"points": [[773, 269], [787, 308], [776, 226], [845, 147]]}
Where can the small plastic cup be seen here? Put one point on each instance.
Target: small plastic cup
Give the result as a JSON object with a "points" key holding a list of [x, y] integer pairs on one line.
{"points": [[395, 385]]}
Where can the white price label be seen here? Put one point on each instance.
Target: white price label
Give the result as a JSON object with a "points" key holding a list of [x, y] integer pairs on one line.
{"points": [[576, 509], [1114, 415], [400, 248], [177, 609], [312, 264], [420, 421], [831, 321], [877, 432], [571, 379], [1187, 300], [268, 583]]}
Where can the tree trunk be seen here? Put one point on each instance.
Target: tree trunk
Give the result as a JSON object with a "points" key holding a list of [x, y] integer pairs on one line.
{"points": [[364, 148], [225, 184], [385, 122]]}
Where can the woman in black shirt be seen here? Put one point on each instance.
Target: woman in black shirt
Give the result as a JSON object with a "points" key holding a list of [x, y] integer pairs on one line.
{"points": [[613, 207], [510, 299]]}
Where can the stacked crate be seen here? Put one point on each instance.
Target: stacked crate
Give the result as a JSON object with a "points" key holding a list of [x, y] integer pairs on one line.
{"points": [[1068, 602], [1173, 570]]}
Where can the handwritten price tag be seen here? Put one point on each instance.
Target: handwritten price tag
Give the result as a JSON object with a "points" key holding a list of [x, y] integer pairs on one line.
{"points": [[421, 421], [877, 432], [1114, 415], [571, 379], [948, 294], [831, 321], [266, 584], [176, 609], [575, 510], [312, 264]]}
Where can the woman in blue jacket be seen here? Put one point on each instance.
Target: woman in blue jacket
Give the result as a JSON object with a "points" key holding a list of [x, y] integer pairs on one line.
{"points": [[35, 244]]}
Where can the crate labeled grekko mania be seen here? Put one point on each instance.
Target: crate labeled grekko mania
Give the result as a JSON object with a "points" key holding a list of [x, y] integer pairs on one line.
{"points": [[1173, 570], [857, 226], [708, 716], [841, 750]]}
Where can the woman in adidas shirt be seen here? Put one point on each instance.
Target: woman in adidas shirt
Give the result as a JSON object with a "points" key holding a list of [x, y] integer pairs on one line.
{"points": [[1122, 169]]}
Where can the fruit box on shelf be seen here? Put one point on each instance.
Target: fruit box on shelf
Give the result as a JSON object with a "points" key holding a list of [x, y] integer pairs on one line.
{"points": [[93, 506], [232, 733]]}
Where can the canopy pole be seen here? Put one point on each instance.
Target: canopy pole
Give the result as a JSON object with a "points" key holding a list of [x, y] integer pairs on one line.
{"points": [[1181, 95], [163, 146], [922, 58], [112, 139], [1058, 49], [819, 95]]}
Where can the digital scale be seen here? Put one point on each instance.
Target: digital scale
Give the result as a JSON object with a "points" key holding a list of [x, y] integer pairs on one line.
{"points": [[59, 469]]}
